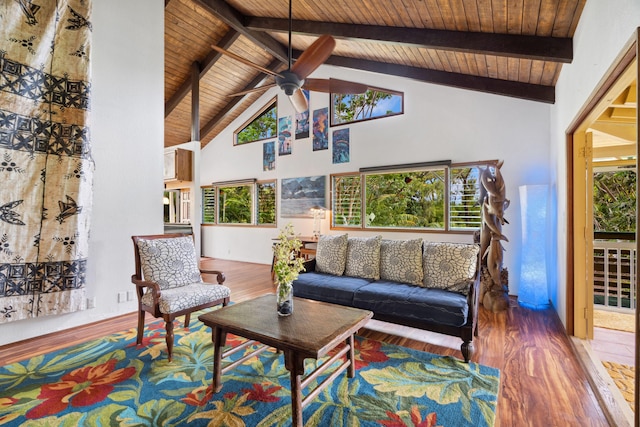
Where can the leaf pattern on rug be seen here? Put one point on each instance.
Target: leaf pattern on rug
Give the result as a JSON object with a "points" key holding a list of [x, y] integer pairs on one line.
{"points": [[393, 387]]}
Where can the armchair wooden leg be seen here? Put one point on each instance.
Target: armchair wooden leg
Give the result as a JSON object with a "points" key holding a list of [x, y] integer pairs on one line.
{"points": [[187, 319], [169, 338], [140, 327]]}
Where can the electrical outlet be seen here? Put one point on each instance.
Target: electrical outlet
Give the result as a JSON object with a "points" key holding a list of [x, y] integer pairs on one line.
{"points": [[129, 295], [91, 302], [122, 296]]}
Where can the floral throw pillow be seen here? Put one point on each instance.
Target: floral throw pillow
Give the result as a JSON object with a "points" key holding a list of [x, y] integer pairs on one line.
{"points": [[401, 261], [448, 265], [170, 262], [363, 257], [331, 254]]}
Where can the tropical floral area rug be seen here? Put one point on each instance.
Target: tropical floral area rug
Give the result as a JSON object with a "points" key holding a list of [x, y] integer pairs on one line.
{"points": [[111, 382]]}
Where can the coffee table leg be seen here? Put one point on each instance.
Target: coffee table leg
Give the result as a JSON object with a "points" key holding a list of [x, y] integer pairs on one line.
{"points": [[351, 355], [219, 338], [295, 366]]}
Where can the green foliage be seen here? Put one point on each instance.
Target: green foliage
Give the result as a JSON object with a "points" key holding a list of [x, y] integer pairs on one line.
{"points": [[614, 201], [266, 203], [349, 108], [414, 200], [347, 205], [262, 127], [235, 205], [209, 205]]}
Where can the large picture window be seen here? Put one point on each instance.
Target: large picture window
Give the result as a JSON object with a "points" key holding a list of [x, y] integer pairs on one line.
{"points": [[234, 204], [246, 202], [263, 125], [373, 104], [441, 198], [413, 199]]}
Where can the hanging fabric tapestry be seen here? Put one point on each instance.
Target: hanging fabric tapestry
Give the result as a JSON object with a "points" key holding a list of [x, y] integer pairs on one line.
{"points": [[46, 169]]}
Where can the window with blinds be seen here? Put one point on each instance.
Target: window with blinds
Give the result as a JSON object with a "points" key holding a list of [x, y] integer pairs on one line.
{"points": [[445, 198], [465, 210], [347, 200], [266, 203], [208, 205]]}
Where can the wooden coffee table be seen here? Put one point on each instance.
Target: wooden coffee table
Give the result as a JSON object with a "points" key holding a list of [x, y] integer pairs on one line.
{"points": [[313, 330]]}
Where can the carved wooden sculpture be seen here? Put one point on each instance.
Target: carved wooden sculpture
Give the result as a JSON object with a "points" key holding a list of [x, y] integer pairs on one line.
{"points": [[494, 289]]}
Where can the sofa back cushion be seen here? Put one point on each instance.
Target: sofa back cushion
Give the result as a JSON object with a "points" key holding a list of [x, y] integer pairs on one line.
{"points": [[331, 254], [170, 262], [449, 266], [363, 257], [401, 261]]}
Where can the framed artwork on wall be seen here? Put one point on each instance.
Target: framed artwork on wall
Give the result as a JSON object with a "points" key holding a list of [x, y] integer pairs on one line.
{"points": [[340, 152], [299, 195], [321, 129], [284, 135], [268, 156]]}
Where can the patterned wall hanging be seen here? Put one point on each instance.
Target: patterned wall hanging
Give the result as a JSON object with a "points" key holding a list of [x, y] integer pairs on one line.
{"points": [[46, 169]]}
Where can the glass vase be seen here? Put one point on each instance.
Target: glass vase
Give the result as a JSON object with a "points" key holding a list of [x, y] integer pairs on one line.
{"points": [[284, 299]]}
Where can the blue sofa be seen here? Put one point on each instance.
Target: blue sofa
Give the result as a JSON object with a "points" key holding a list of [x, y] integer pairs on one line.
{"points": [[450, 308]]}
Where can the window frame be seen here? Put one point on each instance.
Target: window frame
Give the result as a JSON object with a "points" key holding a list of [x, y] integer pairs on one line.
{"points": [[214, 190], [448, 168]]}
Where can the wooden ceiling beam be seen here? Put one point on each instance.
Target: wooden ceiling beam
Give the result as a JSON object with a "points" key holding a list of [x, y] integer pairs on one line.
{"points": [[205, 65], [233, 18], [555, 49], [532, 92], [211, 124]]}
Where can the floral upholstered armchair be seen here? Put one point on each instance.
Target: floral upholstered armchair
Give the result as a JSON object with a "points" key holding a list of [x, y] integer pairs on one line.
{"points": [[169, 282]]}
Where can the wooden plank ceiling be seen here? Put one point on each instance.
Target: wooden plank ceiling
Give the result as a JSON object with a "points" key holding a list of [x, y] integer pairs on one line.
{"points": [[507, 47]]}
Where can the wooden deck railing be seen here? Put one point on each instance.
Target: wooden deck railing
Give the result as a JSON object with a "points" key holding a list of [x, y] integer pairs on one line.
{"points": [[614, 275]]}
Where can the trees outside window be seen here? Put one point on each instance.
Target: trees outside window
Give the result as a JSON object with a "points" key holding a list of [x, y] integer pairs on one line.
{"points": [[266, 205], [263, 125], [234, 205], [405, 200], [374, 103], [614, 201]]}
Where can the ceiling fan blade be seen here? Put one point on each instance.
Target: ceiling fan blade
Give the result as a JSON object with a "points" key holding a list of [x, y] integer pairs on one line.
{"points": [[255, 89], [299, 101], [314, 56], [244, 61], [334, 86]]}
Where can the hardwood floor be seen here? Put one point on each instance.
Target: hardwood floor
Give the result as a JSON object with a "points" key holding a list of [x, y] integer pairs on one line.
{"points": [[542, 382]]}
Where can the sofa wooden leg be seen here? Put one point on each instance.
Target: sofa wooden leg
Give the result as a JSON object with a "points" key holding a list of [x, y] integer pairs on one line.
{"points": [[467, 350]]}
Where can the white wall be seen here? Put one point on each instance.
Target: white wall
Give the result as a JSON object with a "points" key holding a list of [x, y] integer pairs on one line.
{"points": [[603, 30], [127, 119], [439, 123]]}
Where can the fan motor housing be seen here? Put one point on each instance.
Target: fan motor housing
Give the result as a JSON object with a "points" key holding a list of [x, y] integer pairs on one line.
{"points": [[289, 82]]}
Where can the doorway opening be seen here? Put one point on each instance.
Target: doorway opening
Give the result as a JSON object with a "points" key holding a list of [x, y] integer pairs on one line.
{"points": [[602, 163]]}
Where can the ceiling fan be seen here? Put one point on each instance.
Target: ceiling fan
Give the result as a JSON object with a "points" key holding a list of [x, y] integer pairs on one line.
{"points": [[295, 77]]}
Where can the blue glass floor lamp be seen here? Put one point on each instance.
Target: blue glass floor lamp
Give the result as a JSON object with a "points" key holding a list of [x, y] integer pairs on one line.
{"points": [[533, 291]]}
